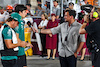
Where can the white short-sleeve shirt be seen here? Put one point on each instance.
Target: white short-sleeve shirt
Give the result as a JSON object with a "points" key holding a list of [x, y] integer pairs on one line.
{"points": [[43, 23]]}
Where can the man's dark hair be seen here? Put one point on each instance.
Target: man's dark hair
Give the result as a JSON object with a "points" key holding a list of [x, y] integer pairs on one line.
{"points": [[28, 5], [71, 3], [39, 5], [55, 1], [20, 7], [38, 0], [71, 12]]}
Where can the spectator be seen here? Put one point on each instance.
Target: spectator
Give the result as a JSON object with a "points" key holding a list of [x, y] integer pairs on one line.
{"points": [[31, 12], [51, 40], [9, 9], [48, 9], [27, 31], [56, 9], [43, 25], [71, 6], [40, 11], [3, 15]]}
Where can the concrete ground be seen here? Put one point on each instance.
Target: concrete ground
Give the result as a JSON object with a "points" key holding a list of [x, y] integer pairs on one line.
{"points": [[36, 61]]}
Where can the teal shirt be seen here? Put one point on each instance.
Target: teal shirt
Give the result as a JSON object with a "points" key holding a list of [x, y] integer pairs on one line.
{"points": [[7, 34], [20, 31]]}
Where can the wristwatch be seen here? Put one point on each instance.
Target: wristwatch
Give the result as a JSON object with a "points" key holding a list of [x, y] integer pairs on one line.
{"points": [[39, 30], [77, 53], [85, 22]]}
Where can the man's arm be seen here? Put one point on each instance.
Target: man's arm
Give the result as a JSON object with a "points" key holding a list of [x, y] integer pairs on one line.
{"points": [[10, 45], [53, 31], [44, 31], [79, 48], [57, 17], [23, 43], [82, 29]]}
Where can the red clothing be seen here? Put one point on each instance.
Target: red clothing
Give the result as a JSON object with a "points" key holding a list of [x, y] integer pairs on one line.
{"points": [[84, 46], [51, 42]]}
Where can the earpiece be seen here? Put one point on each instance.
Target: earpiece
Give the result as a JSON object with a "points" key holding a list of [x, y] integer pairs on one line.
{"points": [[95, 14]]}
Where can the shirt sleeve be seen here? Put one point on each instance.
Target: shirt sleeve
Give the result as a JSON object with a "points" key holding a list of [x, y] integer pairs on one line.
{"points": [[58, 12], [16, 29], [7, 33], [82, 38], [40, 24], [90, 28], [46, 22], [56, 30]]}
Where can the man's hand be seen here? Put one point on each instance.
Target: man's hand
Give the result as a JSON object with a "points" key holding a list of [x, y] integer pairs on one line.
{"points": [[75, 54], [35, 30], [29, 45], [86, 18], [23, 44]]}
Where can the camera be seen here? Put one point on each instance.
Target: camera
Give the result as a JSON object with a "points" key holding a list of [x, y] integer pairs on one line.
{"points": [[87, 8], [94, 46], [80, 15]]}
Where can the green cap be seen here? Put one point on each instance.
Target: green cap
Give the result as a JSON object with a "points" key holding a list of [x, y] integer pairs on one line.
{"points": [[16, 16]]}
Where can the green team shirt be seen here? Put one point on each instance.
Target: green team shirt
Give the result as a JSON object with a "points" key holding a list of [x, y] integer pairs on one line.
{"points": [[20, 30], [7, 34]]}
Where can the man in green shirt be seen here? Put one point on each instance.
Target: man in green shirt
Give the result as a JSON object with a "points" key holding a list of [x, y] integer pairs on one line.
{"points": [[10, 43], [21, 10]]}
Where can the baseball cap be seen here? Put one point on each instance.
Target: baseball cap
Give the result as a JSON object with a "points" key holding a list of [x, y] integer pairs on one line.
{"points": [[16, 16]]}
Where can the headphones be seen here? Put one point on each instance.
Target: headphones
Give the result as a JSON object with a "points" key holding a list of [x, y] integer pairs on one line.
{"points": [[95, 14]]}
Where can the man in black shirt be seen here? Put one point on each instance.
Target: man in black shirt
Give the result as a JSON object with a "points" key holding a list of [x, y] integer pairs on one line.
{"points": [[93, 29]]}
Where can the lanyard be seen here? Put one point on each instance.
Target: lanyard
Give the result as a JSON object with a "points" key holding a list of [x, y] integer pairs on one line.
{"points": [[68, 30]]}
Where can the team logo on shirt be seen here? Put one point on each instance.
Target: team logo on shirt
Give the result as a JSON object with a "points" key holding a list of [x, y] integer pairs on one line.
{"points": [[9, 32]]}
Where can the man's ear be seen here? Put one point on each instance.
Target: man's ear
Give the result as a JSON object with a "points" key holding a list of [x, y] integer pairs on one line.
{"points": [[19, 12]]}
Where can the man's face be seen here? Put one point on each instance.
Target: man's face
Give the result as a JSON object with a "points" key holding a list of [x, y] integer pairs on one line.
{"points": [[23, 13], [14, 24], [55, 3], [71, 6], [67, 16], [28, 7], [2, 10]]}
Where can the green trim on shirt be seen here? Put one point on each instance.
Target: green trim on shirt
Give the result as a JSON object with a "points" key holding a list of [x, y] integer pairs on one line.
{"points": [[9, 57]]}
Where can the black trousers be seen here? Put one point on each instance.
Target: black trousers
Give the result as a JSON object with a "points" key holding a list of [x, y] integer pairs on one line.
{"points": [[43, 41], [68, 61], [96, 59], [9, 63], [22, 61]]}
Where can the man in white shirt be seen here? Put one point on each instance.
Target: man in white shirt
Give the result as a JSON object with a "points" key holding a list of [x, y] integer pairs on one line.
{"points": [[3, 15]]}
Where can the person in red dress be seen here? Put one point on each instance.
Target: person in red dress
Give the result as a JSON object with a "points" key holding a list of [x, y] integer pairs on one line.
{"points": [[83, 51], [51, 40]]}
